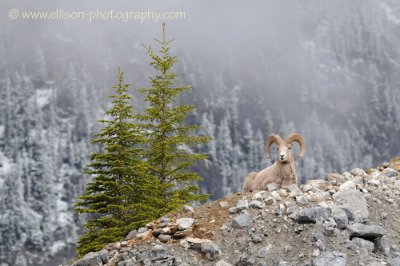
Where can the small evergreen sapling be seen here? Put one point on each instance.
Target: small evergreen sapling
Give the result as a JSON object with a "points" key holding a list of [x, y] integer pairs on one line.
{"points": [[122, 195], [169, 140]]}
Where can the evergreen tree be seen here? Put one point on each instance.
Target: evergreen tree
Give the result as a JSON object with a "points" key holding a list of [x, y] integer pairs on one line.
{"points": [[122, 196], [169, 140]]}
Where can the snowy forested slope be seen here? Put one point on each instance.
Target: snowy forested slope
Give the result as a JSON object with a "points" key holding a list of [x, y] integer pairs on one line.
{"points": [[328, 70]]}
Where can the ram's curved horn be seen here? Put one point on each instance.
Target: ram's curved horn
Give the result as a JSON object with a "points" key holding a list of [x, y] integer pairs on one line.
{"points": [[298, 138], [272, 139]]}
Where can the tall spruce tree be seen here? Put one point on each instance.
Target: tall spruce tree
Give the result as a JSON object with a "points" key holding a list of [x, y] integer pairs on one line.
{"points": [[122, 195], [169, 139]]}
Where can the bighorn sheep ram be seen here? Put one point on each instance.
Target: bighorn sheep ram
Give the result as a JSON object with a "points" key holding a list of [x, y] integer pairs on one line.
{"points": [[283, 171]]}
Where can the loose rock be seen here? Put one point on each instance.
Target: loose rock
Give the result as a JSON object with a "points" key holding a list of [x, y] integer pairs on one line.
{"points": [[184, 223], [312, 215], [353, 203], [211, 250], [328, 258], [264, 251], [390, 172], [340, 217], [363, 244], [270, 200], [348, 185], [365, 231], [335, 178], [222, 263], [188, 208], [272, 186], [242, 220], [257, 204], [382, 246], [242, 204], [164, 238], [93, 259], [302, 199], [358, 171]]}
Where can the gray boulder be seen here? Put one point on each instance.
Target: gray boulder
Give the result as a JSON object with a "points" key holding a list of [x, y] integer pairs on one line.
{"points": [[242, 220], [211, 250], [358, 171], [159, 252], [363, 244], [242, 204], [131, 234], [184, 223], [382, 246], [312, 215], [365, 231], [93, 259], [390, 172], [354, 204], [256, 204], [394, 262], [340, 217]]}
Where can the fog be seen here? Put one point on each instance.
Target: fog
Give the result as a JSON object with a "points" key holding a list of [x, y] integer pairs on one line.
{"points": [[326, 69]]}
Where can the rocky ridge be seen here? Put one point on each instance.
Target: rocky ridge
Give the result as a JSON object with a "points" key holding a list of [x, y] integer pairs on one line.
{"points": [[351, 218]]}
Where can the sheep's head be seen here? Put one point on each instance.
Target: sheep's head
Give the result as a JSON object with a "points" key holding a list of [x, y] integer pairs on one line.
{"points": [[284, 147]]}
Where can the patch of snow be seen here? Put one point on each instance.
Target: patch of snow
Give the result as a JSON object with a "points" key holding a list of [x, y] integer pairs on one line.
{"points": [[390, 13], [43, 97], [61, 205], [56, 247], [5, 164], [65, 219]]}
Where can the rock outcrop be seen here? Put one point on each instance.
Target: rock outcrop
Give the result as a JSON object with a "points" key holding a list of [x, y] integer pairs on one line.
{"points": [[346, 219]]}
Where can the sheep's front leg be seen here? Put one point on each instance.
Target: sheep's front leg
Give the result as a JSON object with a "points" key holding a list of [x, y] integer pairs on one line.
{"points": [[288, 181]]}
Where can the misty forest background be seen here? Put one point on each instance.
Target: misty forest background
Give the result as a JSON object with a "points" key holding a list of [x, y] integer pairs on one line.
{"points": [[326, 69]]}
